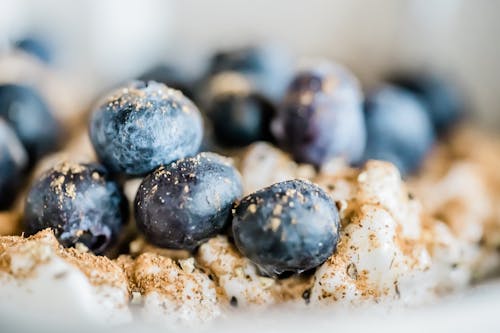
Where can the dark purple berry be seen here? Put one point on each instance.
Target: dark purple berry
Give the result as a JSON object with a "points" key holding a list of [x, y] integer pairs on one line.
{"points": [[240, 117], [269, 67], [442, 98], [399, 128], [321, 116], [183, 204], [80, 203], [13, 161], [144, 125], [28, 114], [292, 226]]}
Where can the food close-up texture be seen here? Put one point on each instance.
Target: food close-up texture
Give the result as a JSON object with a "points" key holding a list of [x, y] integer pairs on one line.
{"points": [[264, 180]]}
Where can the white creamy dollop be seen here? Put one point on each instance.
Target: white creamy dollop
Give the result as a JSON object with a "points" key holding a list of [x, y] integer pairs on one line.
{"points": [[38, 276], [380, 258], [171, 291]]}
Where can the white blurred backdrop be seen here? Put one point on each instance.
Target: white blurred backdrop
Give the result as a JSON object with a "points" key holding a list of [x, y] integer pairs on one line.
{"points": [[107, 41]]}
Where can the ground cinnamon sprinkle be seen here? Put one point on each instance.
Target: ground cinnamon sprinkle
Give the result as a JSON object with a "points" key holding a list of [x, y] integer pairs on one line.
{"points": [[364, 286], [98, 269], [151, 273], [127, 263], [38, 248], [41, 247], [5, 243]]}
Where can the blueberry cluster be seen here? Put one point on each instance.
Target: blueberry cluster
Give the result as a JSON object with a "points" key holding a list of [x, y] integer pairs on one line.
{"points": [[321, 112], [147, 129], [135, 130]]}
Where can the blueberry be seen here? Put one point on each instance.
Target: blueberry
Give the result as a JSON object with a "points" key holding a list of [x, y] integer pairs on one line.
{"points": [[183, 204], [143, 125], [30, 118], [13, 161], [321, 116], [442, 98], [169, 76], [36, 47], [80, 203], [268, 66], [291, 226], [240, 118], [399, 128]]}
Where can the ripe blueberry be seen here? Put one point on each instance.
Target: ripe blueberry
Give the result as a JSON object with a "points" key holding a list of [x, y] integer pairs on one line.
{"points": [[399, 128], [268, 67], [290, 226], [13, 161], [443, 100], [240, 117], [182, 204], [144, 125], [321, 116], [30, 118], [80, 203]]}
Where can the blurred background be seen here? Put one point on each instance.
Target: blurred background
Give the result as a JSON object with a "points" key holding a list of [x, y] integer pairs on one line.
{"points": [[99, 43]]}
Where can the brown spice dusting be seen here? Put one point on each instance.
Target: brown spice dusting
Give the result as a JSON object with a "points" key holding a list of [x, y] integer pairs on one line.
{"points": [[98, 269], [221, 259], [126, 263], [154, 273], [41, 247]]}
